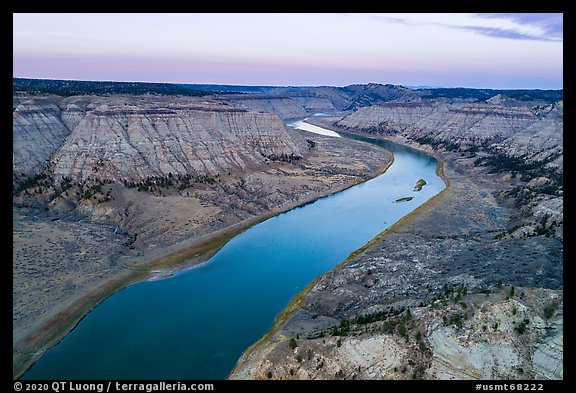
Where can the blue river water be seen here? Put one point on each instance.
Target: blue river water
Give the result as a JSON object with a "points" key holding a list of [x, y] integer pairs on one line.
{"points": [[196, 324]]}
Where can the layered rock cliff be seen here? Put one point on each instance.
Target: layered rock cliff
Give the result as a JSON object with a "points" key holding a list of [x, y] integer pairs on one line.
{"points": [[136, 143], [126, 141], [462, 124], [508, 128], [38, 131]]}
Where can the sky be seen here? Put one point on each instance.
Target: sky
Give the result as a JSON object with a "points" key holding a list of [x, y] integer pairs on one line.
{"points": [[502, 51]]}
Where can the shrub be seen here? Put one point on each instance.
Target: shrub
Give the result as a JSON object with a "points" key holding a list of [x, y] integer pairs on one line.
{"points": [[521, 328], [550, 309], [408, 315], [402, 331]]}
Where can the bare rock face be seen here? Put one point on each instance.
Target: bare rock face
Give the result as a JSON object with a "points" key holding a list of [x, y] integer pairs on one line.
{"points": [[465, 124], [285, 106], [135, 138], [547, 359], [521, 141], [72, 115], [506, 339], [389, 118], [38, 132], [540, 140], [112, 142], [484, 337]]}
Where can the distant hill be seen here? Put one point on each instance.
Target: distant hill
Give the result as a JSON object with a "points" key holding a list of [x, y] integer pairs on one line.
{"points": [[229, 88], [71, 88], [356, 95], [549, 96]]}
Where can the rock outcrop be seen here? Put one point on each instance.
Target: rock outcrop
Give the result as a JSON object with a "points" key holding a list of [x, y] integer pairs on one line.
{"points": [[38, 131], [490, 338], [539, 141], [137, 143], [299, 102], [517, 129]]}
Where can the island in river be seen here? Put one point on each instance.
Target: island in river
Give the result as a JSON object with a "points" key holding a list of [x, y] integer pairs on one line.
{"points": [[419, 184]]}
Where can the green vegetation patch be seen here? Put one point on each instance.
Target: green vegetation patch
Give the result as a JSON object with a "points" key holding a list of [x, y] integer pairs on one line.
{"points": [[521, 327], [419, 184], [550, 309], [404, 199]]}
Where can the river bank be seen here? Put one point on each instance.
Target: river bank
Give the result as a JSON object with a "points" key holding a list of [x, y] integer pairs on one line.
{"points": [[160, 261], [453, 241], [248, 363]]}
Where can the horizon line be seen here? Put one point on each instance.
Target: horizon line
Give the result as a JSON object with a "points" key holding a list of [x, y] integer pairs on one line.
{"points": [[412, 87]]}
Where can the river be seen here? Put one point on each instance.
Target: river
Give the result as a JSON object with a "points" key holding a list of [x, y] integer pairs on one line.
{"points": [[196, 324]]}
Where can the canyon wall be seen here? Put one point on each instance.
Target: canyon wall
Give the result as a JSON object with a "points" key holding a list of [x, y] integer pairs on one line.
{"points": [[132, 141]]}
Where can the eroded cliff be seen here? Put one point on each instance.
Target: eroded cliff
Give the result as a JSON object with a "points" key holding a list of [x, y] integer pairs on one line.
{"points": [[38, 131], [132, 144]]}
